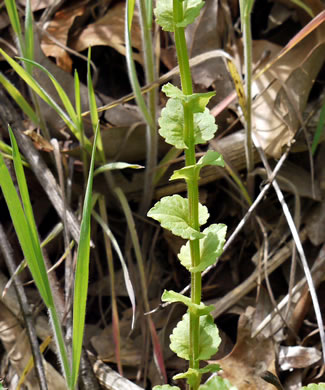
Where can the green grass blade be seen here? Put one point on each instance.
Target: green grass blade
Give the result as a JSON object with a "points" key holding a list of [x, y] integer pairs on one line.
{"points": [[24, 224], [131, 68], [62, 94], [29, 35], [82, 272], [79, 124], [14, 18], [131, 5], [93, 108], [304, 6], [19, 99], [35, 260], [319, 129], [45, 96]]}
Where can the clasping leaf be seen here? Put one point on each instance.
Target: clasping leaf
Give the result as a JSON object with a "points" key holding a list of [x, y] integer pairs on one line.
{"points": [[209, 338], [164, 13], [211, 247], [198, 310], [171, 124], [192, 172], [197, 101], [173, 214]]}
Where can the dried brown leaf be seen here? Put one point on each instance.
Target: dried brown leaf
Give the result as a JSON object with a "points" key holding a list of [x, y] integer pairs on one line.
{"points": [[249, 359], [109, 31], [58, 28]]}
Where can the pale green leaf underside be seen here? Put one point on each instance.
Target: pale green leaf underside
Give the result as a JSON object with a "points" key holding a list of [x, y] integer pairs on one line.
{"points": [[116, 165], [211, 247], [199, 310], [217, 383], [314, 386], [191, 12], [165, 387], [209, 338], [164, 13], [197, 101], [193, 171], [171, 125], [173, 214], [193, 375]]}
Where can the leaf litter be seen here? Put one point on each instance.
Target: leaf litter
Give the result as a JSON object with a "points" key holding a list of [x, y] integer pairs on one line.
{"points": [[281, 96]]}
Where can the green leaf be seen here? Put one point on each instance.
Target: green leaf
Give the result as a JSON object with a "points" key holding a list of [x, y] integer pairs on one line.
{"points": [[173, 214], [217, 383], [211, 247], [166, 387], [171, 124], [192, 10], [164, 14], [314, 386], [34, 259], [133, 77], [19, 99], [204, 127], [192, 172], [199, 310], [61, 92], [116, 165], [209, 338], [45, 96], [14, 18], [197, 101], [193, 375], [82, 272]]}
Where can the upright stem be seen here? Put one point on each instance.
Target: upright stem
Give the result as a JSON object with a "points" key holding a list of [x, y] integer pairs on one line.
{"points": [[152, 135], [247, 35], [192, 186]]}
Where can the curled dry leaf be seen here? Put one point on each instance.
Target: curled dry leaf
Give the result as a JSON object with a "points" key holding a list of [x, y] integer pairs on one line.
{"points": [[58, 28], [282, 91], [297, 357], [109, 31], [249, 359]]}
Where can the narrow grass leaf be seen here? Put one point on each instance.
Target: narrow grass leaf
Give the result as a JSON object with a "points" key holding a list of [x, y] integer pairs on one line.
{"points": [[19, 99], [61, 92], [45, 96], [82, 272], [132, 71], [116, 165], [93, 108], [131, 4], [14, 17], [28, 51], [35, 259]]}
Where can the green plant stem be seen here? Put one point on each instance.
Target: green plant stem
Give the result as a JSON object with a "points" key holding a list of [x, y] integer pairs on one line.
{"points": [[192, 186], [247, 36], [62, 353], [152, 135]]}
